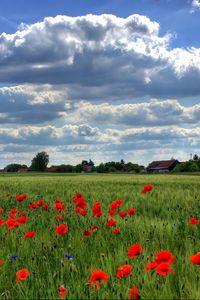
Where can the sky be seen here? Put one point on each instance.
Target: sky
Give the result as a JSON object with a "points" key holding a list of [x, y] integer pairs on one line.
{"points": [[99, 79]]}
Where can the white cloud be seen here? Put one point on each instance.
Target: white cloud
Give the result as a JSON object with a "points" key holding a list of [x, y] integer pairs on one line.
{"points": [[195, 5], [100, 55], [153, 113]]}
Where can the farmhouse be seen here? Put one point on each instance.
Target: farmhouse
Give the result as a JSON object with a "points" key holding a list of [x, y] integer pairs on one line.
{"points": [[23, 170], [162, 166]]}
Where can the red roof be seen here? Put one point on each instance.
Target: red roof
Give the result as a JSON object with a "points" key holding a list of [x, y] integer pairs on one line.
{"points": [[162, 164]]}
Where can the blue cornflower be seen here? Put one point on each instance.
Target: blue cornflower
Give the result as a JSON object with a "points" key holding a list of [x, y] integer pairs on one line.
{"points": [[14, 256], [69, 256]]}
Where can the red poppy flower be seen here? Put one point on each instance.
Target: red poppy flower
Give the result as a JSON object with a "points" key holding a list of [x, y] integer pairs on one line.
{"points": [[131, 211], [22, 275], [134, 250], [147, 188], [39, 202], [80, 211], [193, 221], [151, 266], [1, 262], [195, 259], [133, 294], [124, 271], [20, 198], [163, 269], [98, 275], [164, 256], [94, 228], [14, 211], [116, 204], [1, 210], [62, 292], [30, 234], [123, 214], [96, 210], [8, 195], [32, 205], [79, 195], [116, 230], [111, 223], [11, 223], [45, 206], [61, 229], [2, 222], [59, 206], [86, 233], [22, 220], [111, 213]]}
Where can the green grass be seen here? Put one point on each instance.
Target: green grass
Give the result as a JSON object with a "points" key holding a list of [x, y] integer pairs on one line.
{"points": [[161, 222]]}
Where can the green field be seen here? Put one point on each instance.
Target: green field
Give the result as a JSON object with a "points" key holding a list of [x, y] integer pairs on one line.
{"points": [[161, 222]]}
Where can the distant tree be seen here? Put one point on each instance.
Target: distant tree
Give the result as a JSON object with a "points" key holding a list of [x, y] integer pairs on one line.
{"points": [[195, 157], [14, 167], [40, 162]]}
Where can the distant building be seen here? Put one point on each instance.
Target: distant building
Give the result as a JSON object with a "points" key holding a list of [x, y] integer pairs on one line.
{"points": [[87, 166], [162, 166], [23, 170], [51, 169]]}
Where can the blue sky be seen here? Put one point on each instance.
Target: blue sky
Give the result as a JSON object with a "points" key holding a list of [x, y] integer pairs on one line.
{"points": [[99, 79]]}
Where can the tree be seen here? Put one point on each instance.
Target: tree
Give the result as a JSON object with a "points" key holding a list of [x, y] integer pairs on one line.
{"points": [[40, 162], [195, 157], [14, 167]]}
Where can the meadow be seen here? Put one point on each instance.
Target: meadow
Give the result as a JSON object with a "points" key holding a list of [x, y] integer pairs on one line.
{"points": [[160, 221]]}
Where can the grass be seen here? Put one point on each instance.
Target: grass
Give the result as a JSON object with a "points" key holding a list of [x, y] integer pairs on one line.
{"points": [[161, 222]]}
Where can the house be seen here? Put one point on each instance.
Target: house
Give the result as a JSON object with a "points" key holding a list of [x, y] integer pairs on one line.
{"points": [[87, 166], [23, 170], [51, 169], [162, 166]]}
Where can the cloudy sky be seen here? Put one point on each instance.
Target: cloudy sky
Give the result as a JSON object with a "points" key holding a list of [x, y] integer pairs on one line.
{"points": [[106, 80]]}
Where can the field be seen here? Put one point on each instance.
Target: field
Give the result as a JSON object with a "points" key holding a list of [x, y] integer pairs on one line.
{"points": [[160, 222]]}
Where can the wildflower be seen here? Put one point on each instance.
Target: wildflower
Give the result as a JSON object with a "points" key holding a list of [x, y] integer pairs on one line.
{"points": [[39, 202], [147, 188], [22, 220], [131, 211], [45, 206], [96, 277], [134, 250], [62, 292], [2, 222], [195, 259], [111, 213], [20, 198], [61, 229], [11, 223], [193, 221], [86, 233], [123, 214], [80, 211], [111, 223], [68, 256], [163, 269], [116, 204], [124, 271], [22, 275], [1, 262], [94, 228], [1, 210], [14, 257], [96, 210], [164, 256], [8, 195], [115, 230], [30, 234], [133, 294], [151, 266]]}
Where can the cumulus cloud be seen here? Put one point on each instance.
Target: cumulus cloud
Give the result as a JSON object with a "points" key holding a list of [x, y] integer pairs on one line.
{"points": [[118, 56], [153, 113], [27, 104], [195, 5]]}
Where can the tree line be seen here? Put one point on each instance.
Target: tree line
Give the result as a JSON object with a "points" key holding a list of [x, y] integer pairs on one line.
{"points": [[40, 162]]}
